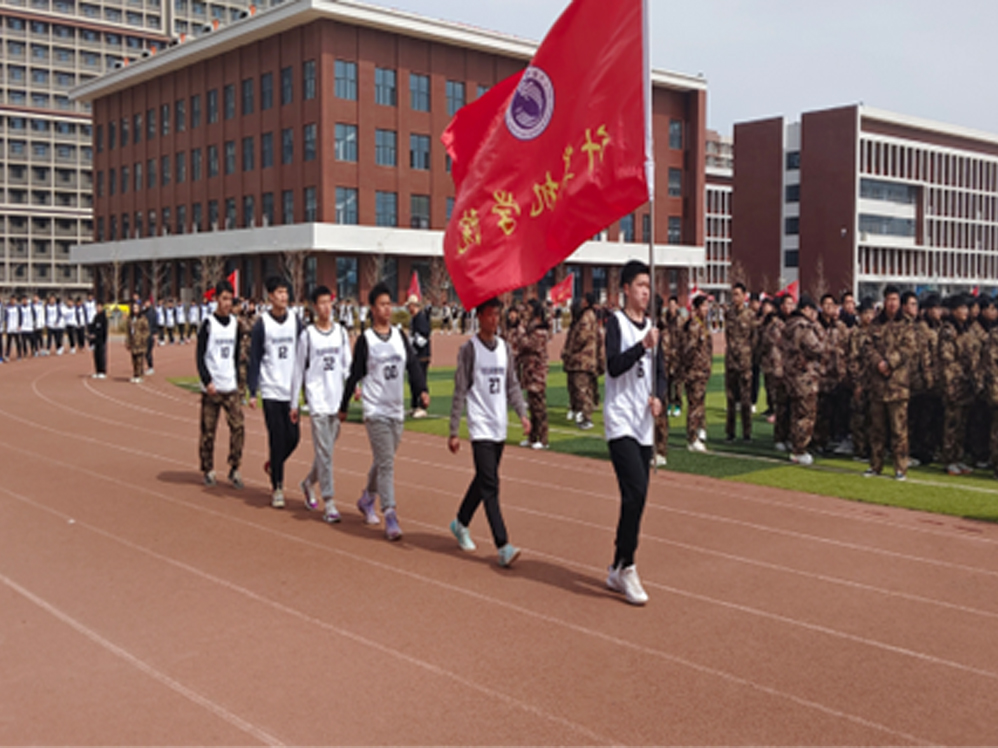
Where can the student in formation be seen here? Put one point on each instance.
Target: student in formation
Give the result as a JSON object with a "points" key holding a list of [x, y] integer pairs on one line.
{"points": [[381, 357], [68, 312], [217, 344], [12, 326], [28, 326], [137, 341], [38, 307], [322, 365], [632, 405], [97, 333], [271, 365], [486, 380]]}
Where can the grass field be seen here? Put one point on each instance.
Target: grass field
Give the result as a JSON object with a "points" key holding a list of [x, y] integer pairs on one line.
{"points": [[927, 489]]}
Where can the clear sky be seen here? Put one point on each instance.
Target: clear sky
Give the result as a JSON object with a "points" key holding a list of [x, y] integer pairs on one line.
{"points": [[928, 58]]}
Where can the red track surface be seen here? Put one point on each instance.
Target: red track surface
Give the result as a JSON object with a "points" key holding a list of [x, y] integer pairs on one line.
{"points": [[138, 607]]}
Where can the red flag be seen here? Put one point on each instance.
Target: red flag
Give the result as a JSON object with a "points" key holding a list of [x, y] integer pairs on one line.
{"points": [[793, 290], [209, 295], [552, 155], [564, 291], [414, 289], [234, 282]]}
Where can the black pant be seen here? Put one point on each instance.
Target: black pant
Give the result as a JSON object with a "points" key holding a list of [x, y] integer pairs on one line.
{"points": [[424, 364], [100, 357], [755, 384], [485, 489], [632, 464], [149, 346], [282, 437]]}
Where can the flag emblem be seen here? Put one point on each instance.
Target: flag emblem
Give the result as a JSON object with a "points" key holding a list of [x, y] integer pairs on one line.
{"points": [[532, 105]]}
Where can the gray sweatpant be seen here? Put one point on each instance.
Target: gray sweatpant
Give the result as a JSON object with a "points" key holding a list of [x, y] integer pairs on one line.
{"points": [[385, 435], [325, 431]]}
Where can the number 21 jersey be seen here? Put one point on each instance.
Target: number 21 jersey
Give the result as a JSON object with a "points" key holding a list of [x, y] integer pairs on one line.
{"points": [[383, 390]]}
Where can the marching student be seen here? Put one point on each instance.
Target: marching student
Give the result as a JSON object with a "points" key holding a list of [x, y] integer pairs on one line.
{"points": [[182, 328], [12, 324], [271, 366], [97, 332], [193, 318], [381, 357], [137, 340], [68, 312], [89, 312], [152, 318], [28, 327], [53, 335], [217, 345], [161, 321], [322, 365], [38, 308], [632, 405], [486, 380], [170, 315]]}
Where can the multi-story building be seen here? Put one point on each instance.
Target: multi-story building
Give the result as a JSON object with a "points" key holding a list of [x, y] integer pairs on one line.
{"points": [[47, 47], [305, 140], [856, 198], [715, 276]]}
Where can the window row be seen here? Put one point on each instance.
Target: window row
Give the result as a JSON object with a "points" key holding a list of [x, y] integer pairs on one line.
{"points": [[386, 88], [914, 263], [719, 201], [19, 75], [61, 55], [42, 101], [718, 228], [16, 25], [925, 165], [960, 204], [20, 149], [60, 127], [958, 235]]}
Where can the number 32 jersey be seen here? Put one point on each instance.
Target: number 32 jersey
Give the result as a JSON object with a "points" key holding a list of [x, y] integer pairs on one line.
{"points": [[383, 389], [323, 363]]}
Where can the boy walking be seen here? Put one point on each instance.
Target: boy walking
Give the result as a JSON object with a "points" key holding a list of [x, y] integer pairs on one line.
{"points": [[632, 405], [322, 365], [381, 357], [485, 379]]}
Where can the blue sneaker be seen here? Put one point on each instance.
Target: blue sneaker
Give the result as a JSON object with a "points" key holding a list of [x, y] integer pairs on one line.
{"points": [[464, 541], [507, 555], [392, 529], [366, 506]]}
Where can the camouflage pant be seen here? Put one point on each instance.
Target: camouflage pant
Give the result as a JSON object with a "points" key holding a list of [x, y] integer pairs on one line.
{"points": [[138, 364], [696, 408], [675, 391], [780, 403], [803, 412], [662, 434], [954, 430], [977, 442], [581, 386], [232, 404], [994, 440], [537, 403], [738, 389], [858, 420], [889, 418]]}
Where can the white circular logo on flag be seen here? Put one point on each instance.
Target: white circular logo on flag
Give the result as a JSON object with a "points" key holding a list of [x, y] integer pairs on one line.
{"points": [[532, 106]]}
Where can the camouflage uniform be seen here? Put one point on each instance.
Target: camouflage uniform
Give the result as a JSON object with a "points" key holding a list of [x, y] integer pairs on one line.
{"points": [[771, 363], [979, 419], [514, 339], [584, 359], [533, 360], [662, 422], [698, 353], [245, 322], [989, 369], [802, 350], [891, 341], [138, 342], [923, 390], [739, 336], [858, 378], [834, 362], [958, 362], [232, 404], [674, 358]]}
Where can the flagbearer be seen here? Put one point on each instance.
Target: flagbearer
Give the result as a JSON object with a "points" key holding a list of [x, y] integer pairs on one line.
{"points": [[630, 411]]}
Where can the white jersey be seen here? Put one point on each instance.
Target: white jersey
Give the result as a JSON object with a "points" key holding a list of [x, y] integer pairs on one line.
{"points": [[68, 315], [626, 411], [27, 319], [278, 362], [322, 365], [52, 316], [181, 315], [13, 317], [383, 391], [220, 354], [194, 316], [90, 311], [486, 403], [38, 308], [160, 316], [171, 317]]}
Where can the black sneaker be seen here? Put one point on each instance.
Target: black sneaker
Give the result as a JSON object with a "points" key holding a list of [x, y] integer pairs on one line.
{"points": [[729, 439], [899, 476]]}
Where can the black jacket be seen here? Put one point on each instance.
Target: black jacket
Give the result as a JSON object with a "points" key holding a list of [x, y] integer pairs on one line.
{"points": [[98, 329], [419, 330]]}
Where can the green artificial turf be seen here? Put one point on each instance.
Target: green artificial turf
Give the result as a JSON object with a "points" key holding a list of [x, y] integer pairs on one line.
{"points": [[927, 489]]}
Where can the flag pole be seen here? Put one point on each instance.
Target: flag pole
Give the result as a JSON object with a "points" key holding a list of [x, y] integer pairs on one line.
{"points": [[650, 177]]}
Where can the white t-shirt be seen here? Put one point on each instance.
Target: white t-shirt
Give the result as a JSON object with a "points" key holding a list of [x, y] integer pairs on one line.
{"points": [[13, 319], [27, 319], [90, 311], [171, 317], [195, 314], [68, 316], [486, 403], [38, 308], [383, 390], [278, 362], [626, 412], [220, 354], [322, 364], [181, 315], [52, 316]]}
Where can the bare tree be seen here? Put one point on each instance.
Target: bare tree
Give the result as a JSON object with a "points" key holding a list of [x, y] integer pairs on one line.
{"points": [[373, 269], [157, 273], [294, 269], [211, 271], [738, 274], [767, 286], [439, 283], [112, 281], [819, 285]]}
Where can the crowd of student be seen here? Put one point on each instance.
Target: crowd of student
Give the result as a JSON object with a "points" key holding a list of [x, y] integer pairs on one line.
{"points": [[32, 326]]}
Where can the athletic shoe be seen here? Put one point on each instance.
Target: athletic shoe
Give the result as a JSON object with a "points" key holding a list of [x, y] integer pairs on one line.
{"points": [[914, 462], [661, 461], [150, 371], [277, 500], [311, 503], [702, 435], [236, 479], [525, 443], [899, 476], [729, 439], [59, 352], [954, 469], [210, 479], [965, 469], [419, 413], [586, 425], [627, 582], [102, 376], [780, 446], [138, 380], [331, 513], [871, 473], [803, 460], [845, 448], [697, 446], [92, 376], [753, 410], [366, 506], [392, 529], [71, 350], [464, 541], [570, 416], [507, 555], [538, 445], [579, 417]]}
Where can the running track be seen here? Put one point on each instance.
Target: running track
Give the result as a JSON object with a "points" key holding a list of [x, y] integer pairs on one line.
{"points": [[138, 607]]}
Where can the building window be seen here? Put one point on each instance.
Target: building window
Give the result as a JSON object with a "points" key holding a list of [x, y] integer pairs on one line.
{"points": [[100, 184], [124, 131], [346, 206], [675, 134], [384, 87], [886, 225], [112, 182], [181, 167], [229, 100], [386, 208], [892, 192], [249, 212], [419, 152], [195, 164], [166, 221], [646, 227], [311, 206], [248, 154], [213, 215], [309, 145], [230, 157], [164, 165], [266, 91], [482, 90], [346, 80], [792, 193], [287, 207], [212, 161], [793, 160], [230, 213], [196, 217], [346, 142], [137, 129], [627, 228], [164, 116], [180, 115], [266, 150], [151, 174], [213, 106], [675, 183], [267, 209], [138, 176], [675, 230], [419, 92], [385, 148], [247, 96], [791, 226], [791, 258], [99, 138], [181, 219], [308, 79], [287, 145], [112, 130], [455, 97], [419, 211], [450, 207], [287, 86], [347, 286], [195, 111]]}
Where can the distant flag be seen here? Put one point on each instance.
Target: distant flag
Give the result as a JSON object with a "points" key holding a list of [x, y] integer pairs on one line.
{"points": [[234, 282], [551, 156], [564, 291], [414, 289], [793, 290]]}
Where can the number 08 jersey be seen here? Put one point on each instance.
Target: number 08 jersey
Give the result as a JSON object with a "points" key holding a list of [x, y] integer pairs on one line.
{"points": [[383, 390]]}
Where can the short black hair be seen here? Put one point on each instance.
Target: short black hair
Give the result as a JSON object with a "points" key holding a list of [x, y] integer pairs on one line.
{"points": [[674, 298], [632, 270], [892, 290], [739, 286], [806, 302], [932, 301], [957, 300], [380, 289], [828, 296], [986, 302], [492, 303], [847, 295], [908, 296], [274, 282], [590, 298], [867, 305], [223, 286], [698, 300], [319, 292]]}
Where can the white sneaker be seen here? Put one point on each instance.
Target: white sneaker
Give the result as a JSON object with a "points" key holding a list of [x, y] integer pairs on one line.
{"points": [[753, 410], [702, 435], [525, 443], [661, 461], [697, 446], [538, 445], [277, 500], [626, 581], [463, 536], [331, 513], [804, 460], [150, 372], [914, 462], [570, 416], [419, 413], [780, 446], [59, 352], [72, 351]]}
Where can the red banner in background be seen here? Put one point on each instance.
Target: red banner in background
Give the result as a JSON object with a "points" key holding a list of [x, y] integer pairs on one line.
{"points": [[564, 291], [414, 289], [793, 290]]}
